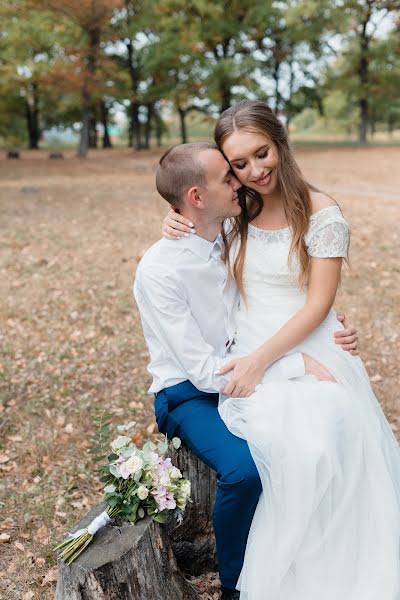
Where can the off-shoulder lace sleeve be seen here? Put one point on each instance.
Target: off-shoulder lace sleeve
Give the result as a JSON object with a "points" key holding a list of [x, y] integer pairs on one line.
{"points": [[328, 234]]}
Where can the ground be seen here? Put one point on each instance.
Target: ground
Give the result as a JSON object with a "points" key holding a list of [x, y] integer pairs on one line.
{"points": [[72, 234]]}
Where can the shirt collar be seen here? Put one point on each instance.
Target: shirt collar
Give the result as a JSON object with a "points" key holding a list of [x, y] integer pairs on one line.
{"points": [[198, 245]]}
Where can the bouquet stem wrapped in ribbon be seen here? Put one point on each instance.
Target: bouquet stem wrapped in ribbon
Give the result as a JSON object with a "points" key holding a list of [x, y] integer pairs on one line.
{"points": [[138, 482]]}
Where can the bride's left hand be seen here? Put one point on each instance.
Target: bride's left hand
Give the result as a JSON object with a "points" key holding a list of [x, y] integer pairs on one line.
{"points": [[247, 374]]}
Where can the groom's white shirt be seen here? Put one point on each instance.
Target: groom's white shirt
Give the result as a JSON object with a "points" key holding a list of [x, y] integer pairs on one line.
{"points": [[188, 307]]}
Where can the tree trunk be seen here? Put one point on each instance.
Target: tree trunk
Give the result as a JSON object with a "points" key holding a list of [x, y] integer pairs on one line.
{"points": [[277, 61], [135, 130], [158, 128], [104, 120], [94, 41], [147, 561], [92, 129], [390, 124], [133, 68], [226, 98], [84, 137], [182, 121], [363, 74], [32, 118], [277, 91], [147, 127]]}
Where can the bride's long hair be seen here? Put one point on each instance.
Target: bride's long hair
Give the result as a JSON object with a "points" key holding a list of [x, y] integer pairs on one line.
{"points": [[258, 117]]}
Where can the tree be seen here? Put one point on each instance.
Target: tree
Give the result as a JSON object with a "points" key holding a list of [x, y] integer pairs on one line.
{"points": [[92, 18], [28, 54], [363, 18]]}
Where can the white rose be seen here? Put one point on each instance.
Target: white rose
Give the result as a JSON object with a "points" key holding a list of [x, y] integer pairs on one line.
{"points": [[165, 480], [175, 473], [142, 492], [134, 464], [186, 488]]}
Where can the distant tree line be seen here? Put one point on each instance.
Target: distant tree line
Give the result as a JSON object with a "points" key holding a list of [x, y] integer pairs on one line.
{"points": [[64, 62]]}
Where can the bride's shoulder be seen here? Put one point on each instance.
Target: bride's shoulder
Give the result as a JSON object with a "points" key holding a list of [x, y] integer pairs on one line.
{"points": [[319, 201], [328, 232], [324, 211]]}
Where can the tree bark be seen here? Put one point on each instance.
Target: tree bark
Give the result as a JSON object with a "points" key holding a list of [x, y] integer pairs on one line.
{"points": [[84, 137], [158, 128], [133, 68], [147, 127], [182, 121], [226, 97], [147, 561], [363, 74], [91, 64], [92, 129], [32, 117], [104, 120]]}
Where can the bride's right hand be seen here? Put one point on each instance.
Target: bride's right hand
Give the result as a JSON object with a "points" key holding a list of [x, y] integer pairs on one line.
{"points": [[175, 225]]}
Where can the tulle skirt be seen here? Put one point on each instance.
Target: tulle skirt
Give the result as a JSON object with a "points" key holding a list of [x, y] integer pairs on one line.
{"points": [[327, 526]]}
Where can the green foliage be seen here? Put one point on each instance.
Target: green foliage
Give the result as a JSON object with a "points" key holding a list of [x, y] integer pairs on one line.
{"points": [[60, 58]]}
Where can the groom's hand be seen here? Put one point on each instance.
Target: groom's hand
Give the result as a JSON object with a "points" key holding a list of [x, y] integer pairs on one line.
{"points": [[246, 375], [347, 338]]}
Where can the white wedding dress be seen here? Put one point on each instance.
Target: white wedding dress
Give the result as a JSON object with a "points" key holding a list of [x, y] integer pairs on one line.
{"points": [[327, 526]]}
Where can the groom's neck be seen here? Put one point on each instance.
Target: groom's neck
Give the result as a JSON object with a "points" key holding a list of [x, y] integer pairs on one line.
{"points": [[208, 231], [205, 228]]}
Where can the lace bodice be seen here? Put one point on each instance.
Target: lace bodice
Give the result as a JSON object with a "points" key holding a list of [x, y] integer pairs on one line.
{"points": [[327, 237], [271, 283]]}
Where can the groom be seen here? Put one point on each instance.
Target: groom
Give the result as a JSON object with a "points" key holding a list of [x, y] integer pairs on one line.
{"points": [[187, 307]]}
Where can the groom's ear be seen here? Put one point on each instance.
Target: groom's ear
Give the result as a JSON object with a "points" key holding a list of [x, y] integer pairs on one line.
{"points": [[193, 197]]}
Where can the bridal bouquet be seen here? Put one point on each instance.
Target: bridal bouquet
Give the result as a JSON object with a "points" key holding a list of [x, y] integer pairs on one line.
{"points": [[138, 482]]}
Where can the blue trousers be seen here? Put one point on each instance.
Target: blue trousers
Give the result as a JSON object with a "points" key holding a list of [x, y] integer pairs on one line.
{"points": [[184, 411]]}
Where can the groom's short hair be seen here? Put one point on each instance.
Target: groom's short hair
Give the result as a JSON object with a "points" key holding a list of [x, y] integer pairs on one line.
{"points": [[179, 169]]}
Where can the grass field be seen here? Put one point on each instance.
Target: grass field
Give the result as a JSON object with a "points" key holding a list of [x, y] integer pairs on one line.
{"points": [[71, 235]]}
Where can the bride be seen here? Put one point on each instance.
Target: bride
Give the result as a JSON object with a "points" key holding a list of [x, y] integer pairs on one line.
{"points": [[327, 526]]}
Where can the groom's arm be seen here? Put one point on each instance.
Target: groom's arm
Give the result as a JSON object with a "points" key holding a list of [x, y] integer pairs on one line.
{"points": [[166, 315]]}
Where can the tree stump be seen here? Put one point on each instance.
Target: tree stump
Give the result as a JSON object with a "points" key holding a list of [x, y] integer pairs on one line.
{"points": [[147, 561]]}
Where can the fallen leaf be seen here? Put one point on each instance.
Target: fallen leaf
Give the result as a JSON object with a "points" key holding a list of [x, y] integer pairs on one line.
{"points": [[150, 428], [4, 458], [19, 546], [42, 533], [376, 378], [15, 438], [50, 577], [4, 538], [40, 562]]}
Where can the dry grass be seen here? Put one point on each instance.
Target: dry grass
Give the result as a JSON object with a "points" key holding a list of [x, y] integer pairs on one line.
{"points": [[72, 233]]}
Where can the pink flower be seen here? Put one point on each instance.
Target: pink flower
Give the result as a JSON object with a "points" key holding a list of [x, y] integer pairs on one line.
{"points": [[164, 499]]}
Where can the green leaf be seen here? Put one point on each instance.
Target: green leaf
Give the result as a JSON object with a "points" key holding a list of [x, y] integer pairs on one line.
{"points": [[162, 447], [141, 513], [160, 518], [114, 471], [109, 489], [176, 442], [98, 458], [137, 475]]}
